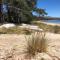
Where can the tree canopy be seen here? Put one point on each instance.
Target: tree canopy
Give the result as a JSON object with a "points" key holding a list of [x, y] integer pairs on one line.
{"points": [[20, 11]]}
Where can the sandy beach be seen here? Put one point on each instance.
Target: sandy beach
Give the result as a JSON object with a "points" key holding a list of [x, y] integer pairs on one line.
{"points": [[53, 24], [19, 43]]}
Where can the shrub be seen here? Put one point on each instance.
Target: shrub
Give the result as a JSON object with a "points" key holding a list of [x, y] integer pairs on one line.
{"points": [[56, 29]]}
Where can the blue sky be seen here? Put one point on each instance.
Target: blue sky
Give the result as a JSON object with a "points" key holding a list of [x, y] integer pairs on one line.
{"points": [[52, 7]]}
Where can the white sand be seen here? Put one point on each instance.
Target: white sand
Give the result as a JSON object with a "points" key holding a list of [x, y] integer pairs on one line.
{"points": [[53, 24], [8, 25], [18, 42]]}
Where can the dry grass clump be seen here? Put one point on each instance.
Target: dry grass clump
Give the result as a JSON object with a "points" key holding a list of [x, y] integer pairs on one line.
{"points": [[14, 30], [36, 44], [56, 29], [49, 28], [42, 59], [45, 27]]}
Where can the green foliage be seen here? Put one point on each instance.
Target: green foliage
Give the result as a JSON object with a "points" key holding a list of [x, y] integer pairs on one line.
{"points": [[41, 12], [20, 11]]}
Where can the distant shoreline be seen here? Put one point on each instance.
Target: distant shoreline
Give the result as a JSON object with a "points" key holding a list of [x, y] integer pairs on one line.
{"points": [[53, 24]]}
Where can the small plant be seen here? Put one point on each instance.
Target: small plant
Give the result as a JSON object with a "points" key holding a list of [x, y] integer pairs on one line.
{"points": [[56, 29], [42, 59], [27, 31], [36, 43]]}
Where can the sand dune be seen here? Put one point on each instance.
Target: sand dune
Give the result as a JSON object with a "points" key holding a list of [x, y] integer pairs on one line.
{"points": [[18, 43]]}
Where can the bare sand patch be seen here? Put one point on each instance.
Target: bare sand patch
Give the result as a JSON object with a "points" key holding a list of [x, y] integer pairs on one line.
{"points": [[19, 43]]}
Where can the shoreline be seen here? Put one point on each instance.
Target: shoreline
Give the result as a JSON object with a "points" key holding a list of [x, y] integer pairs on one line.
{"points": [[53, 24]]}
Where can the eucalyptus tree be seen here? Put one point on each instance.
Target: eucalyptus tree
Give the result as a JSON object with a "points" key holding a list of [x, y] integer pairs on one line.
{"points": [[40, 11], [21, 10]]}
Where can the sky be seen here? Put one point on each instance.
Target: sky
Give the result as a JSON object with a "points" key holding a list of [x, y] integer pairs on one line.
{"points": [[52, 7]]}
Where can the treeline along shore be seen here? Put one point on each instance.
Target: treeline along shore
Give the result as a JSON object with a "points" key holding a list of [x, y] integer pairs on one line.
{"points": [[48, 18]]}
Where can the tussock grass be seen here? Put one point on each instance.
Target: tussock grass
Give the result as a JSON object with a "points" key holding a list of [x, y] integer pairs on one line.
{"points": [[56, 29], [42, 59], [48, 28], [36, 44], [14, 30]]}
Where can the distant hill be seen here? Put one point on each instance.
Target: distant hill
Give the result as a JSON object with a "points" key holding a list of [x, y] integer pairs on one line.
{"points": [[48, 18]]}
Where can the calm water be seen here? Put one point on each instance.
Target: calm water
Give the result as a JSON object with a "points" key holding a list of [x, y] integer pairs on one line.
{"points": [[53, 21]]}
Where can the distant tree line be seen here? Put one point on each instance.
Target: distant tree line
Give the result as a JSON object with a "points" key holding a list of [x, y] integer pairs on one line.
{"points": [[20, 11]]}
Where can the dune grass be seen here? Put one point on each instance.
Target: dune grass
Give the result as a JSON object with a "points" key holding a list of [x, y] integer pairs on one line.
{"points": [[56, 29], [14, 30], [48, 28], [36, 44]]}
